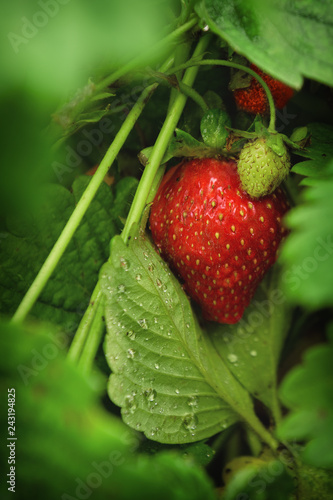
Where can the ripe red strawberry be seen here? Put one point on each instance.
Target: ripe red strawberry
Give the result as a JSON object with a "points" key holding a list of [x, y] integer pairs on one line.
{"points": [[253, 98], [217, 238]]}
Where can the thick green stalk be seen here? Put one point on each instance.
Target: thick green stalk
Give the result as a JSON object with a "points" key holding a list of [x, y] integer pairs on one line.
{"points": [[67, 233], [161, 144]]}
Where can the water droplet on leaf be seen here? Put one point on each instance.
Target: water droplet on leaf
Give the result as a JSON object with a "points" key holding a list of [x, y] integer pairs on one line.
{"points": [[130, 403], [143, 323], [193, 401], [232, 358], [150, 394], [130, 353], [124, 264], [190, 422]]}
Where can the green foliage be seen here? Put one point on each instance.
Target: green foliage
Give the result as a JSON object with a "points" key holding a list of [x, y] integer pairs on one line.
{"points": [[265, 32], [73, 72], [168, 376], [319, 151], [307, 253], [314, 483], [67, 446], [31, 236], [307, 391]]}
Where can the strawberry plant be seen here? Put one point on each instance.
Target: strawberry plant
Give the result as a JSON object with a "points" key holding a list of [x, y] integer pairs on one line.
{"points": [[166, 250]]}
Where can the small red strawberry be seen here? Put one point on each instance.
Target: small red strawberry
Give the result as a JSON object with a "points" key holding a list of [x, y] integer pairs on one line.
{"points": [[217, 238], [253, 98]]}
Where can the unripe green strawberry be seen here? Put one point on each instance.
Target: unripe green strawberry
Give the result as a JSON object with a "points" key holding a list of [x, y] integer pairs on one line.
{"points": [[261, 170]]}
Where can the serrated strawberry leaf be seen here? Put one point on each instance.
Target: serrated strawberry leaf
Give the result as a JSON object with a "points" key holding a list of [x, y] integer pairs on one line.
{"points": [[252, 347], [307, 253], [265, 32], [167, 376], [307, 392], [30, 238], [319, 151]]}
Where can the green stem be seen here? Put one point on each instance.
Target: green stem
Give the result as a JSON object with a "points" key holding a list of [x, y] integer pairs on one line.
{"points": [[94, 339], [218, 62], [142, 58], [186, 11], [262, 433], [182, 53], [161, 145], [276, 408], [194, 95], [81, 334], [254, 442], [72, 224]]}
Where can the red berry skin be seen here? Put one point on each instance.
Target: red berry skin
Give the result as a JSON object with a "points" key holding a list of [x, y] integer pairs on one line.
{"points": [[253, 98], [218, 239]]}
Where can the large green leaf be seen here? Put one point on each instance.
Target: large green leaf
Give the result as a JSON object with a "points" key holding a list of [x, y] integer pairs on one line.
{"points": [[265, 32], [251, 348], [307, 253], [307, 391], [29, 240], [169, 379]]}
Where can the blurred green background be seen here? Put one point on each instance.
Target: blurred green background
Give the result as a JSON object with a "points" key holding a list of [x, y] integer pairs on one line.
{"points": [[51, 48]]}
